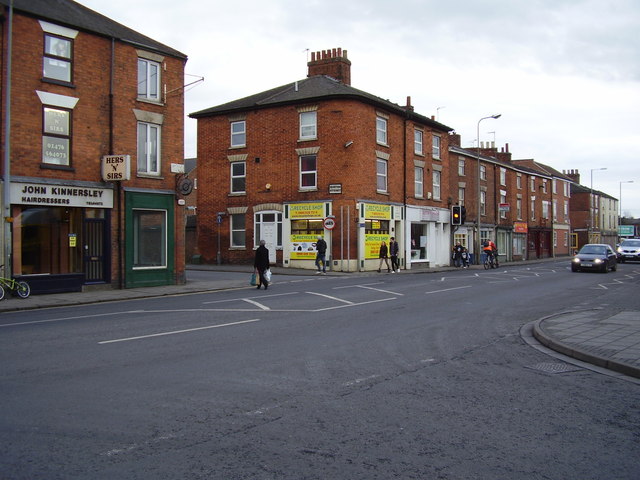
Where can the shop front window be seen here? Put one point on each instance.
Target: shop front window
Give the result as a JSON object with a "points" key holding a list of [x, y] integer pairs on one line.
{"points": [[48, 241], [418, 241], [149, 238]]}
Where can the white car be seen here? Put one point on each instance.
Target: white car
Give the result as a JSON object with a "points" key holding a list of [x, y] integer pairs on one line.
{"points": [[629, 250]]}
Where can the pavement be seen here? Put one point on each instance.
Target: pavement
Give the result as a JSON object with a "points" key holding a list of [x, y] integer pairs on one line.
{"points": [[595, 336]]}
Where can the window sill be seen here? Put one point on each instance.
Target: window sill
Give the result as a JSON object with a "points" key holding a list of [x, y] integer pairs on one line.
{"points": [[382, 192], [308, 139], [151, 101], [382, 144], [237, 147], [237, 194], [149, 175], [302, 190], [58, 82], [52, 166]]}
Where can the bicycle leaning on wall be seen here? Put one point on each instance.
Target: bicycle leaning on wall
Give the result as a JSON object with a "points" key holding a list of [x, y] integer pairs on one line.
{"points": [[16, 287]]}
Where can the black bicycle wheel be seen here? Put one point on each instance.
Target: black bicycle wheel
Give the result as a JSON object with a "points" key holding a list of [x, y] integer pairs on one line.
{"points": [[23, 290]]}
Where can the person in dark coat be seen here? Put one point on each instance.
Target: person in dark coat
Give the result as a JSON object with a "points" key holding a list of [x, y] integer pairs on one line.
{"points": [[261, 263], [384, 256]]}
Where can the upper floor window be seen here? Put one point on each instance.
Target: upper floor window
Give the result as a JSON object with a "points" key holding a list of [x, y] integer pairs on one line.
{"points": [[238, 177], [58, 58], [483, 172], [308, 172], [148, 79], [461, 167], [518, 181], [461, 191], [503, 200], [436, 184], [381, 175], [544, 187], [381, 130], [436, 146], [417, 142], [533, 184], [419, 181], [308, 125], [503, 176], [148, 148], [238, 134], [56, 136]]}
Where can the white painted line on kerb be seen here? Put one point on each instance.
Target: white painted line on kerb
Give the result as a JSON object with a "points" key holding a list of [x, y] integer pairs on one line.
{"points": [[448, 289], [331, 298], [175, 332]]}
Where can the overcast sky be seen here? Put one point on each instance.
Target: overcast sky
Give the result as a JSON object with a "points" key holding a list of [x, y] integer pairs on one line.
{"points": [[564, 74]]}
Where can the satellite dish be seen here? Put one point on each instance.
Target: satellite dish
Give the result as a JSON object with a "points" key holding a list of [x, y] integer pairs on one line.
{"points": [[185, 186]]}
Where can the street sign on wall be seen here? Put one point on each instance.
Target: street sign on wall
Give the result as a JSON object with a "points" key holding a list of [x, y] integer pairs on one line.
{"points": [[626, 230]]}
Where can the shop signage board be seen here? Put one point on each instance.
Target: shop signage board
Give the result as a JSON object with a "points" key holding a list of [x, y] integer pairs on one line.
{"points": [[116, 168], [306, 210], [60, 195]]}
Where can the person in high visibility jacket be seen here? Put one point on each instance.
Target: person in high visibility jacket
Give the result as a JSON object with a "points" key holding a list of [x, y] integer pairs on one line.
{"points": [[491, 250]]}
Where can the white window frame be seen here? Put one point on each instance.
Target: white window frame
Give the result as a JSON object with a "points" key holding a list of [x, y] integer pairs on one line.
{"points": [[418, 144], [238, 177], [381, 175], [461, 195], [483, 172], [238, 229], [503, 176], [419, 181], [461, 165], [381, 130], [437, 179], [308, 125], [483, 202], [503, 199], [519, 181], [56, 136], [306, 175], [533, 208], [519, 208], [436, 147], [238, 132], [149, 79], [146, 158]]}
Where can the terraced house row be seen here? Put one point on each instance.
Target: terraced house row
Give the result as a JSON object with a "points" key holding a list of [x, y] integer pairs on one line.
{"points": [[95, 192], [318, 157], [93, 117]]}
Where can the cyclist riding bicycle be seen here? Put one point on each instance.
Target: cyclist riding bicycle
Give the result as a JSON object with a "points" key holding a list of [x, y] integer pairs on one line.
{"points": [[491, 251]]}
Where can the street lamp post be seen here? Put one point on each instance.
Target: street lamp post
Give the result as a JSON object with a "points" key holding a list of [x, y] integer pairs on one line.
{"points": [[477, 246], [620, 199], [592, 205]]}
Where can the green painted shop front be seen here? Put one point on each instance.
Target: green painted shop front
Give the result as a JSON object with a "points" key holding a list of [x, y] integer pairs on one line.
{"points": [[149, 239]]}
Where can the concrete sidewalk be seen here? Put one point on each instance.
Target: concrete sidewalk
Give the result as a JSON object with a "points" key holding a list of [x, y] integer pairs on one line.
{"points": [[594, 336]]}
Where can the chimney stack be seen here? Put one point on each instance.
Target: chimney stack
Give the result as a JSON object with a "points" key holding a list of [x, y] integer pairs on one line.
{"points": [[574, 175], [333, 63]]}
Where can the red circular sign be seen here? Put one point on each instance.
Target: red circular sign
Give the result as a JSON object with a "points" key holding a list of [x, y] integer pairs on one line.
{"points": [[329, 223]]}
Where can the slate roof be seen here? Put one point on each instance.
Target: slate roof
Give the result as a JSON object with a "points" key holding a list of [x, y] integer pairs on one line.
{"points": [[542, 168], [315, 88], [73, 15]]}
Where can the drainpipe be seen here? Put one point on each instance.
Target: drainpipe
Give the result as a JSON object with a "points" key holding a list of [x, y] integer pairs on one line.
{"points": [[111, 152], [6, 193]]}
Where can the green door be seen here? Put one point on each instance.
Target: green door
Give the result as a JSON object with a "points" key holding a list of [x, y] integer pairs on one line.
{"points": [[149, 237]]}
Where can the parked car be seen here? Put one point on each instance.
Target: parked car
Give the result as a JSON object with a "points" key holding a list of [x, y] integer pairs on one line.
{"points": [[595, 256], [629, 250]]}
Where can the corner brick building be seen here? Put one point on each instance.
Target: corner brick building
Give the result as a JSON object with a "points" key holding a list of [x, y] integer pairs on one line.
{"points": [[83, 87], [317, 157]]}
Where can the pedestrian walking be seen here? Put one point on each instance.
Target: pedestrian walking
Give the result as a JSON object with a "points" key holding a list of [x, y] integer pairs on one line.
{"points": [[261, 264], [394, 249], [384, 256], [321, 252]]}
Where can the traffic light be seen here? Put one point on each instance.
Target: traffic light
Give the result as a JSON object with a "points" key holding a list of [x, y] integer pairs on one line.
{"points": [[456, 215]]}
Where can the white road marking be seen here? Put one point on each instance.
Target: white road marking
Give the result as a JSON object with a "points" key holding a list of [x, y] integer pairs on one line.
{"points": [[331, 298], [447, 289], [257, 304], [175, 332]]}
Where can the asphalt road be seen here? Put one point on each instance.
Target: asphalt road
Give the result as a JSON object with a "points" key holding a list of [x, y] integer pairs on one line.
{"points": [[409, 376]]}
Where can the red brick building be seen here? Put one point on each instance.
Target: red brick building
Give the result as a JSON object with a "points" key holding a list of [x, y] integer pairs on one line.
{"points": [[83, 87], [318, 157]]}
